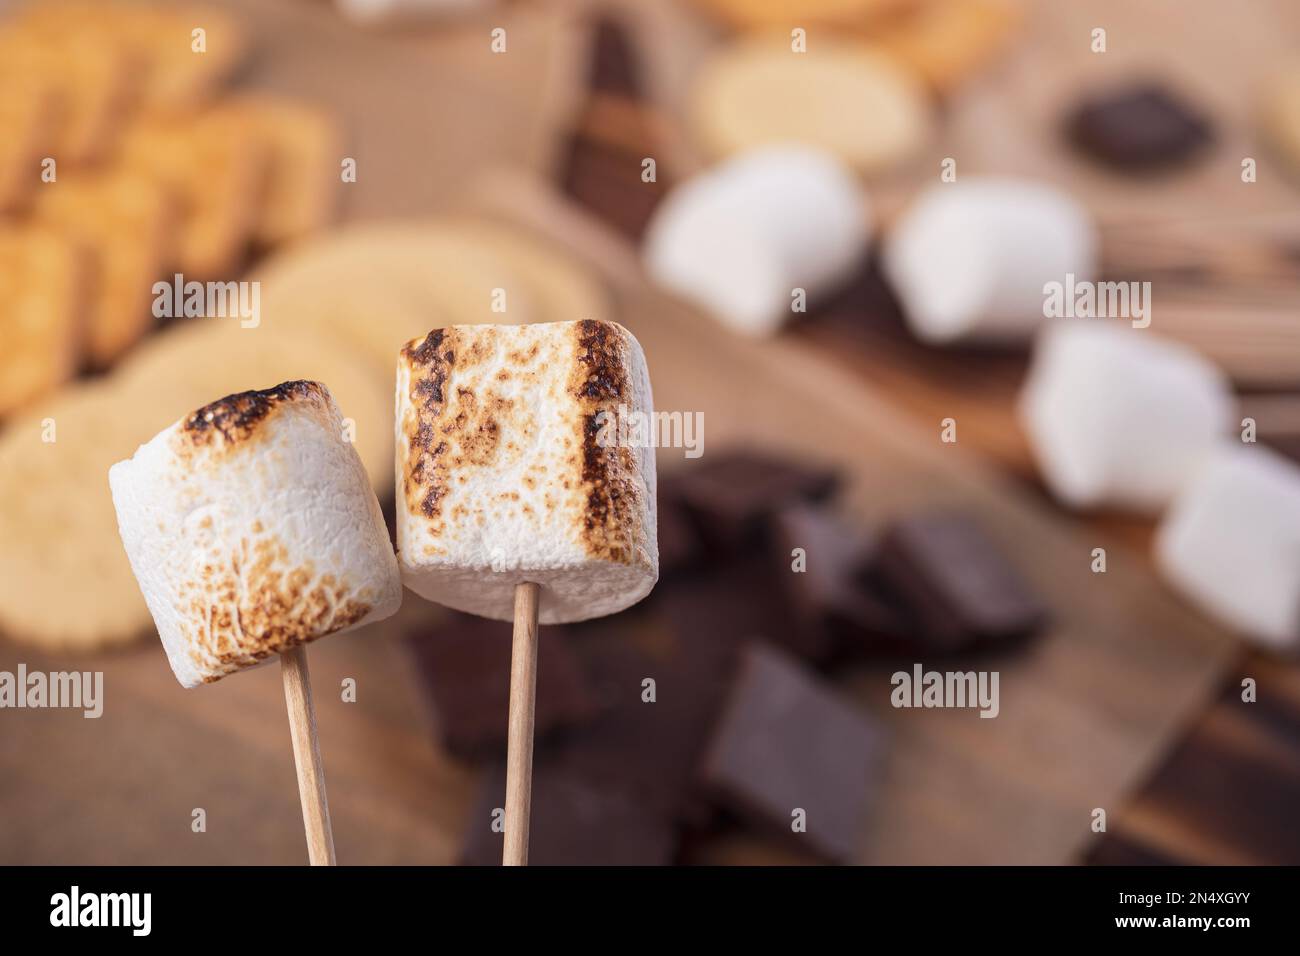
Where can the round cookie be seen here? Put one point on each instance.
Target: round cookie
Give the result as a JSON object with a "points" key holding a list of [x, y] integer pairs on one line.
{"points": [[377, 286], [202, 360], [64, 579], [1280, 114], [757, 14], [65, 583], [839, 96], [557, 287]]}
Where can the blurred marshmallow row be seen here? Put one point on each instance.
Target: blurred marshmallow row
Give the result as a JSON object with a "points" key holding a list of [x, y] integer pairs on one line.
{"points": [[1117, 416]]}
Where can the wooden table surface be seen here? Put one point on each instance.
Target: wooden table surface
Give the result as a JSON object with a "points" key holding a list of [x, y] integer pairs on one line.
{"points": [[1122, 705]]}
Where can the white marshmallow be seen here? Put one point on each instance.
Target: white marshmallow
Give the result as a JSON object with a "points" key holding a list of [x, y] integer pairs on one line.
{"points": [[1118, 416], [969, 259], [504, 474], [1231, 543], [740, 238], [251, 527]]}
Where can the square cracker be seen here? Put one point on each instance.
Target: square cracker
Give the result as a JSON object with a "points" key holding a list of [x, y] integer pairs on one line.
{"points": [[212, 164], [124, 222], [303, 147], [92, 78], [41, 284]]}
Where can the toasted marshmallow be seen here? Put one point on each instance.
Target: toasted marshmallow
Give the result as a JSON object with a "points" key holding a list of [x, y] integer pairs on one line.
{"points": [[969, 259], [509, 469], [1118, 416], [1231, 543], [251, 527], [740, 238]]}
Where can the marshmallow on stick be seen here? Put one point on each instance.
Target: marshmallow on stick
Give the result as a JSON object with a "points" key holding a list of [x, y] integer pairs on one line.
{"points": [[252, 529], [515, 496]]}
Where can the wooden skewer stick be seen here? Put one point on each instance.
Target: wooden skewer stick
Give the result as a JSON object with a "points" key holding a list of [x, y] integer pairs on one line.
{"points": [[306, 757], [519, 753]]}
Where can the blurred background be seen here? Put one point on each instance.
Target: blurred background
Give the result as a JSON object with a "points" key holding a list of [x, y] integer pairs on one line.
{"points": [[378, 168]]}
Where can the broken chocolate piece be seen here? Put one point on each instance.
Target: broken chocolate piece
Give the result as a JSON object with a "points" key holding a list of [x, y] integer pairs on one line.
{"points": [[679, 542], [730, 496], [825, 586], [1138, 129], [953, 583], [644, 749], [792, 755], [718, 609], [465, 664], [573, 823], [614, 67]]}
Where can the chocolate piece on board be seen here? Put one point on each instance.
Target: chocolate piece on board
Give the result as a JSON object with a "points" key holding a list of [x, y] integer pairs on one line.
{"points": [[787, 747], [465, 665], [953, 582], [573, 823], [1137, 129], [731, 495]]}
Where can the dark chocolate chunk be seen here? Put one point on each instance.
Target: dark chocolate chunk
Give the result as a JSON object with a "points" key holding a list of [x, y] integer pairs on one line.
{"points": [[647, 750], [953, 583], [606, 180], [731, 496], [679, 542], [614, 67], [573, 823], [465, 664], [1137, 129], [787, 742], [719, 608], [830, 594]]}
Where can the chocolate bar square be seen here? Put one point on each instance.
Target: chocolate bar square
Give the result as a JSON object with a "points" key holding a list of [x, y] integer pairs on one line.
{"points": [[1137, 129], [645, 749], [793, 756], [953, 584], [680, 546], [826, 589], [573, 823], [732, 495], [465, 665], [728, 603]]}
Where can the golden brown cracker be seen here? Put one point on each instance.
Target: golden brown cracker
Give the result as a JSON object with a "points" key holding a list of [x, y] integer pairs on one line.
{"points": [[124, 221], [303, 147], [946, 41], [42, 280], [92, 77], [180, 54], [27, 112], [378, 285], [201, 360], [213, 165], [839, 96], [788, 14], [191, 52], [1280, 114], [65, 583]]}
